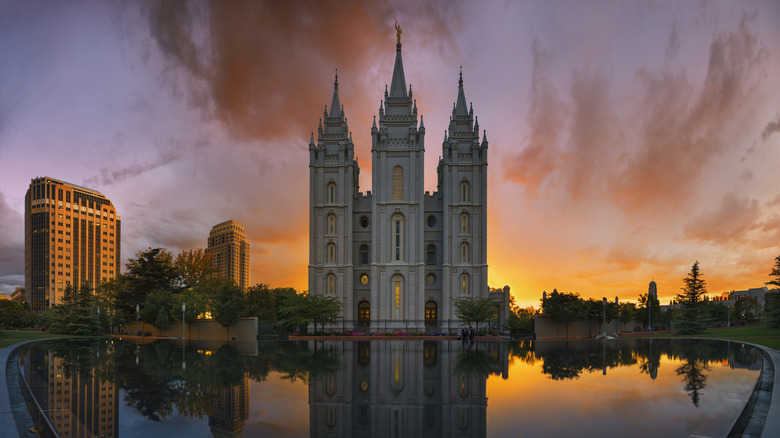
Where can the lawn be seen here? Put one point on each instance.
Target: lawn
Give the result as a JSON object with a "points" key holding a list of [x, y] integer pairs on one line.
{"points": [[755, 334], [10, 337]]}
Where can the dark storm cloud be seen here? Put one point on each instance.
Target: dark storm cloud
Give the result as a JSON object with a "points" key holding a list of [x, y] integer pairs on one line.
{"points": [[111, 175], [769, 129], [11, 247], [269, 58]]}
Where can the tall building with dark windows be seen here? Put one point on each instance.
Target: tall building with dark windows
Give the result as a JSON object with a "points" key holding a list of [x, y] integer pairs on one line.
{"points": [[397, 257], [229, 251], [72, 236]]}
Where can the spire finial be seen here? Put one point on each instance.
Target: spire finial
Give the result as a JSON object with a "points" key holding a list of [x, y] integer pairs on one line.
{"points": [[398, 31], [336, 82], [460, 81]]}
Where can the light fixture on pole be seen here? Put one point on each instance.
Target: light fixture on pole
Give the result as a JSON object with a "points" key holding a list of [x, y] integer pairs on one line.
{"points": [[604, 323], [183, 310], [137, 309]]}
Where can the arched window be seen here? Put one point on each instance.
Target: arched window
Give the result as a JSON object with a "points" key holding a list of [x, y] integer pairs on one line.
{"points": [[330, 254], [465, 226], [364, 255], [397, 233], [397, 285], [331, 193], [331, 286], [465, 192], [464, 253], [431, 253], [464, 284], [398, 183], [331, 224]]}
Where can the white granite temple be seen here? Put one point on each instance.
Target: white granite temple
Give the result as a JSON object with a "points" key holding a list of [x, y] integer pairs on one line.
{"points": [[397, 256]]}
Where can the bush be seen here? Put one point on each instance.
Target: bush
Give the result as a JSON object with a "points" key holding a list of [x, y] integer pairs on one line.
{"points": [[637, 329]]}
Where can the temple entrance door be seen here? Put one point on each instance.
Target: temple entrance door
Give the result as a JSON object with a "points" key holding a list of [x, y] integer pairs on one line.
{"points": [[364, 314], [431, 315]]}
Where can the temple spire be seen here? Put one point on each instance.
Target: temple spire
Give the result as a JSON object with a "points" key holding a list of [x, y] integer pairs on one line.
{"points": [[461, 108], [335, 105], [398, 84]]}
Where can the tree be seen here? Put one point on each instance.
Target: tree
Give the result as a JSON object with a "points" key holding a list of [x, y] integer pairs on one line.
{"points": [[746, 308], [193, 267], [691, 298], [563, 307], [293, 311], [303, 309], [228, 305], [475, 309], [261, 302], [642, 305], [151, 270], [772, 299], [626, 313], [157, 309], [520, 322], [324, 310]]}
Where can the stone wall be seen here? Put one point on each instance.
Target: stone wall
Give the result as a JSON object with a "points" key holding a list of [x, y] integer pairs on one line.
{"points": [[546, 328], [205, 329]]}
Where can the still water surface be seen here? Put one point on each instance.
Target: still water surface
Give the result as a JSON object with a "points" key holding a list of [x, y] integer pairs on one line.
{"points": [[632, 388]]}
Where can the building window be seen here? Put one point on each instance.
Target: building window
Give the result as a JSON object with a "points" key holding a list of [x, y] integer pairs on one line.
{"points": [[464, 284], [431, 260], [431, 313], [464, 252], [398, 297], [331, 195], [431, 221], [465, 192], [364, 313], [465, 226], [431, 279], [364, 260], [398, 183], [331, 224], [364, 279], [331, 253], [397, 234], [364, 222], [331, 286]]}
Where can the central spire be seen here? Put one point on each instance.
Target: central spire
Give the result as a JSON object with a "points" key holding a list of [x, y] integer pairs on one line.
{"points": [[398, 85], [460, 105], [335, 105]]}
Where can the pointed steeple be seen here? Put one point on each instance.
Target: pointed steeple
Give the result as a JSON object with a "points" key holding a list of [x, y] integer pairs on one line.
{"points": [[461, 108], [335, 105], [398, 84]]}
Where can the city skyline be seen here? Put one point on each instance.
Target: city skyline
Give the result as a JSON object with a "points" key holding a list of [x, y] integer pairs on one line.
{"points": [[628, 139]]}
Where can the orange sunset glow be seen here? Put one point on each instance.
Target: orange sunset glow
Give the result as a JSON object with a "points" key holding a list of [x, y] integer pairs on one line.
{"points": [[627, 139]]}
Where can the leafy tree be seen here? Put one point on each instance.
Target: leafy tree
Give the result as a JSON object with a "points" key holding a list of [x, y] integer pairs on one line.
{"points": [[261, 302], [746, 308], [475, 309], [16, 315], [520, 322], [563, 307], [324, 310], [305, 308], [157, 309], [196, 305], [715, 312], [228, 305], [150, 271], [193, 268], [641, 311], [691, 298], [626, 312]]}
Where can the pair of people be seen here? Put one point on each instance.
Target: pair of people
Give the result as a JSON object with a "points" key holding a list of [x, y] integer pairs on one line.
{"points": [[467, 334]]}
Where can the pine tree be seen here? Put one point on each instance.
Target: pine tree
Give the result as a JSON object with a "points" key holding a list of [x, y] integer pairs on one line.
{"points": [[772, 309], [691, 320]]}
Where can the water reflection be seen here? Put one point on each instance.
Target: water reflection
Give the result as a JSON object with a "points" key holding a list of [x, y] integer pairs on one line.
{"points": [[355, 389]]}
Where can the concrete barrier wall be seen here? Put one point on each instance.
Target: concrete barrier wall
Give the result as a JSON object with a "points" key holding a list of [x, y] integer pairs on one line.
{"points": [[206, 329], [546, 328]]}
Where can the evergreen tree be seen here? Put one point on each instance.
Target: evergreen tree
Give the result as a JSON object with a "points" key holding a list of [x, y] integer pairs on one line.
{"points": [[691, 318], [772, 299]]}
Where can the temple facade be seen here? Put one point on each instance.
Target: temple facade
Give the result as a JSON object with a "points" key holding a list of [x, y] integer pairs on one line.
{"points": [[397, 256]]}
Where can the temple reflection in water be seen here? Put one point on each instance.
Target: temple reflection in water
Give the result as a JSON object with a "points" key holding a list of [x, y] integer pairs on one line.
{"points": [[405, 389]]}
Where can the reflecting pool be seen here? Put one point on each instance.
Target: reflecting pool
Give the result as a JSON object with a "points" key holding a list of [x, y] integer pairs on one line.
{"points": [[111, 388]]}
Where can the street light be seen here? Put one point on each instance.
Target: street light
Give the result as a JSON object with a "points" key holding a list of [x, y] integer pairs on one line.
{"points": [[183, 309], [649, 309], [604, 323], [137, 309]]}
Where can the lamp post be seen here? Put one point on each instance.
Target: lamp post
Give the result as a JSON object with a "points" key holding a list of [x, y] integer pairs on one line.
{"points": [[137, 310], [604, 323], [183, 309], [98, 312]]}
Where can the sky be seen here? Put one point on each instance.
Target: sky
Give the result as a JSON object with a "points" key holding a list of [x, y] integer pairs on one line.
{"points": [[628, 139]]}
